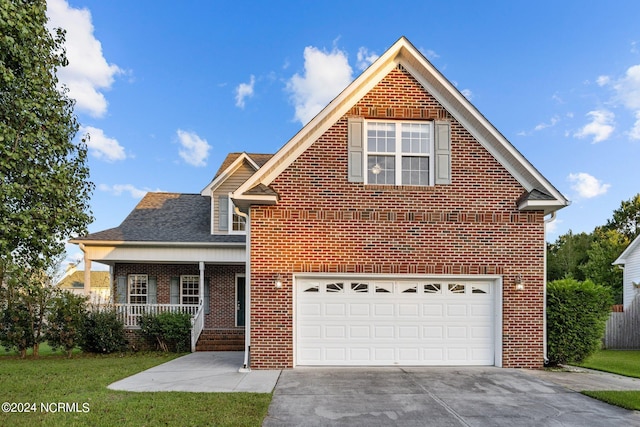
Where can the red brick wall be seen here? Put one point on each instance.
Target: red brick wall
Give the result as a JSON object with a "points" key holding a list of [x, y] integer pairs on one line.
{"points": [[323, 223], [222, 279]]}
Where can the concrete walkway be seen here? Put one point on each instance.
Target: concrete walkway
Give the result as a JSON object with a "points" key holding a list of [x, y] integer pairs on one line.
{"points": [[201, 372], [582, 379]]}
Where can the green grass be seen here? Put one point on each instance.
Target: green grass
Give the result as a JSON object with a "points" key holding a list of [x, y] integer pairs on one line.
{"points": [[624, 399], [621, 362], [83, 380]]}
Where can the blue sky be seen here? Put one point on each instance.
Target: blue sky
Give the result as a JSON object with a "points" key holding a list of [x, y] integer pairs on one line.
{"points": [[166, 89]]}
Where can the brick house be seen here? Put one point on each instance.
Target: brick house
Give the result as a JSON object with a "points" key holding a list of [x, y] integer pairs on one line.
{"points": [[398, 227]]}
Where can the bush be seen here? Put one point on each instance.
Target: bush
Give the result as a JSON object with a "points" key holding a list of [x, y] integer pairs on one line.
{"points": [[103, 332], [169, 330], [66, 317], [577, 314]]}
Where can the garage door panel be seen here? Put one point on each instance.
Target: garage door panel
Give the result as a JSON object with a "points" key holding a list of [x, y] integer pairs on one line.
{"points": [[355, 322]]}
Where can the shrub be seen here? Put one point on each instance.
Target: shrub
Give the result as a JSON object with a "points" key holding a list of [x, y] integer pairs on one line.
{"points": [[66, 317], [169, 330], [103, 332], [577, 313]]}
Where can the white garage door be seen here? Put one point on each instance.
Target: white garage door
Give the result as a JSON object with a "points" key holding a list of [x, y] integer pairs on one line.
{"points": [[394, 322]]}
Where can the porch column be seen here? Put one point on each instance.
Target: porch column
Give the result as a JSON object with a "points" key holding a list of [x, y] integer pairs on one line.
{"points": [[87, 274], [201, 283]]}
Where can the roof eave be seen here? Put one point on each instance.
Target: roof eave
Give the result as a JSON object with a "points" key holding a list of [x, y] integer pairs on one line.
{"points": [[548, 206], [150, 244]]}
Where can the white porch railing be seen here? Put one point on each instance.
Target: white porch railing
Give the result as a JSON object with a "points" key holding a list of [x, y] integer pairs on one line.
{"points": [[130, 313], [197, 325]]}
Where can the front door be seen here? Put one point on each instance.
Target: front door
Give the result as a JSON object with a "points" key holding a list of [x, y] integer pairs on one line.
{"points": [[240, 300]]}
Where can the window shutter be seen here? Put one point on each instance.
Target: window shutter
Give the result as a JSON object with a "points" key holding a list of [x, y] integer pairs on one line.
{"points": [[152, 291], [356, 149], [174, 291], [223, 213], [121, 290], [442, 153], [205, 298]]}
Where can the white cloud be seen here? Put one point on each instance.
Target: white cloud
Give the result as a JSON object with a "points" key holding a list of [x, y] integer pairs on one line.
{"points": [[244, 90], [467, 93], [326, 74], [366, 58], [195, 150], [554, 120], [118, 189], [600, 128], [634, 133], [101, 146], [628, 88], [603, 80], [88, 72], [430, 54], [552, 227], [586, 185]]}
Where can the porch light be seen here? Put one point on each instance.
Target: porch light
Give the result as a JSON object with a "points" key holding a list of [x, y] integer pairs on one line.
{"points": [[518, 283], [277, 281]]}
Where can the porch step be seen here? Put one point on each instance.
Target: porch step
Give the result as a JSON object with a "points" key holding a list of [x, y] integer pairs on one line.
{"points": [[220, 340]]}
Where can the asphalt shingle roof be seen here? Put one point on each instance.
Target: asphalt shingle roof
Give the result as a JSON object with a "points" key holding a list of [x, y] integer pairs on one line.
{"points": [[167, 217]]}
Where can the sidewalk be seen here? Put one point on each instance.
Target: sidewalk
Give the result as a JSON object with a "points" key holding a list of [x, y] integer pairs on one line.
{"points": [[201, 372], [582, 379]]}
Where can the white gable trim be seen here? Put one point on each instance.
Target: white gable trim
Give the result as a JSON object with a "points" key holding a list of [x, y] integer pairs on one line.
{"points": [[403, 52], [208, 190], [622, 259]]}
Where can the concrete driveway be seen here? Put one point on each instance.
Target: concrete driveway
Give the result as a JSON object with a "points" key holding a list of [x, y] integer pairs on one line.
{"points": [[442, 396]]}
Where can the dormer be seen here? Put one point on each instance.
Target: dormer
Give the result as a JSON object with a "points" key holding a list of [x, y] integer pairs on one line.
{"points": [[234, 171]]}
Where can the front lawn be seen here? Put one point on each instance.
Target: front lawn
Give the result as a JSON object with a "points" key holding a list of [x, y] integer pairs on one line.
{"points": [[621, 362], [74, 392]]}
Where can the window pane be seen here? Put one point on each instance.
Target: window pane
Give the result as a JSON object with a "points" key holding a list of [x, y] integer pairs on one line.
{"points": [[381, 137], [416, 138], [415, 170], [381, 170], [190, 287]]}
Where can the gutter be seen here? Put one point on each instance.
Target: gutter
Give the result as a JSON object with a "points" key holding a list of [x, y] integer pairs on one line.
{"points": [[544, 307], [246, 367]]}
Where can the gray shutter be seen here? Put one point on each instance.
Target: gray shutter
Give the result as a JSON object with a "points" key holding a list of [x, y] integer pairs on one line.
{"points": [[356, 149], [442, 153], [174, 291], [207, 295], [152, 291], [121, 290], [223, 213]]}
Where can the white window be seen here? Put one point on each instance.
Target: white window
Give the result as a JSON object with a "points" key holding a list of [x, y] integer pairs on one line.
{"points": [[138, 288], [399, 153], [189, 289], [228, 219]]}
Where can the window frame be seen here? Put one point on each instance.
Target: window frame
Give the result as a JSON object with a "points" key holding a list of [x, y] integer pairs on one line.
{"points": [[184, 295], [234, 218], [398, 154], [130, 294]]}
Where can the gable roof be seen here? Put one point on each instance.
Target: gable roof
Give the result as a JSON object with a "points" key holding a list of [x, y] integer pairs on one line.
{"points": [[170, 218], [99, 279], [405, 54], [230, 164], [622, 259]]}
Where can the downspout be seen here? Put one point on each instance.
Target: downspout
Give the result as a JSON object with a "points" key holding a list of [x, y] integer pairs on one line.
{"points": [[544, 307], [247, 296]]}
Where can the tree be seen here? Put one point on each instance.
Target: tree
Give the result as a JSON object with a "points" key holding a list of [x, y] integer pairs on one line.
{"points": [[607, 246], [65, 320], [567, 255], [44, 186], [626, 219]]}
